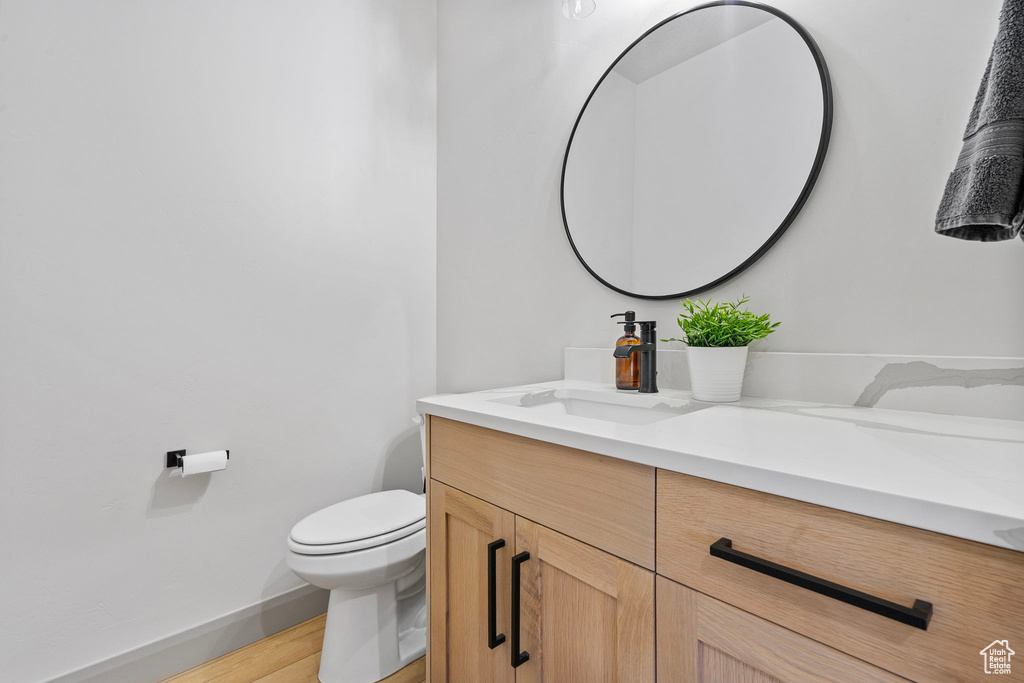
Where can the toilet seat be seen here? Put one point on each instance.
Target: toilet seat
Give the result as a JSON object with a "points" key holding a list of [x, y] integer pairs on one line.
{"points": [[360, 544], [359, 523]]}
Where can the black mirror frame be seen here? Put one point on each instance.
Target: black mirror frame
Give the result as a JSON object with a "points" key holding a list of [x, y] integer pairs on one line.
{"points": [[819, 159]]}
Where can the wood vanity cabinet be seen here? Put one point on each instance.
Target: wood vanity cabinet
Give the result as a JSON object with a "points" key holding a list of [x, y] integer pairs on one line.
{"points": [[554, 548], [575, 612]]}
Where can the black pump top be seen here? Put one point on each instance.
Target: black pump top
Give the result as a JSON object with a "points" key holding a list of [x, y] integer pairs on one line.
{"points": [[630, 316]]}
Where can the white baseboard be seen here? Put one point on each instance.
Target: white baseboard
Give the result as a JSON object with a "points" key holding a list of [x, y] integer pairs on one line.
{"points": [[166, 657]]}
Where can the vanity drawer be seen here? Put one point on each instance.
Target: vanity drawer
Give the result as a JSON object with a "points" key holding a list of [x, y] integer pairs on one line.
{"points": [[976, 590], [602, 501]]}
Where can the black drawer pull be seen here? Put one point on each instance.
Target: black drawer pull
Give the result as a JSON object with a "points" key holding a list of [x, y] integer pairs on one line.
{"points": [[494, 639], [916, 616], [517, 656]]}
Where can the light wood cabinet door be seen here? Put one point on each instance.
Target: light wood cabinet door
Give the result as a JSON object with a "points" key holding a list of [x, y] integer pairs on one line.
{"points": [[585, 615], [703, 640], [461, 530]]}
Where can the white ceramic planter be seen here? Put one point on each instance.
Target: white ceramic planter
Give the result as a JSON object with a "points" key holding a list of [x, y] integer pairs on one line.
{"points": [[716, 373]]}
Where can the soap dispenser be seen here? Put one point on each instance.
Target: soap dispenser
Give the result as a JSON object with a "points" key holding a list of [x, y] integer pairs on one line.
{"points": [[627, 370]]}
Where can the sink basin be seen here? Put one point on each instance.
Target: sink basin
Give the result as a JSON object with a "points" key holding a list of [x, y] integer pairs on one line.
{"points": [[631, 409]]}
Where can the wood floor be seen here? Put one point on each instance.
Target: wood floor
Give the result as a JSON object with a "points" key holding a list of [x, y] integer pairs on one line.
{"points": [[291, 656]]}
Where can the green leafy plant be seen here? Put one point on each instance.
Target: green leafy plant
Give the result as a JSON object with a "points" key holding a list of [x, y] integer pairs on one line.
{"points": [[721, 324]]}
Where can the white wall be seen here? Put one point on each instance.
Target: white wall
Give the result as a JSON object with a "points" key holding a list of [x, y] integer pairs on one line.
{"points": [[860, 270], [217, 230]]}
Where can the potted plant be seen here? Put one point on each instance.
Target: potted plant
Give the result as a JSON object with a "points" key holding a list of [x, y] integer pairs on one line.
{"points": [[717, 338]]}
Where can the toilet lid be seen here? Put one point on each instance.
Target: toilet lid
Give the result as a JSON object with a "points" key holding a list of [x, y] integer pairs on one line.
{"points": [[361, 518], [363, 544]]}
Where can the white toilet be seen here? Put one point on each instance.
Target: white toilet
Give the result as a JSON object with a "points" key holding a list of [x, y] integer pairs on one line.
{"points": [[370, 553]]}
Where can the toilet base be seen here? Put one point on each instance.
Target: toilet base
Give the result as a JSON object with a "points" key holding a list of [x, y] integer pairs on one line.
{"points": [[371, 634]]}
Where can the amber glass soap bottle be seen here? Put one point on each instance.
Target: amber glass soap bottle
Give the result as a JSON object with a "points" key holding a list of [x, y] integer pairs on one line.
{"points": [[627, 370]]}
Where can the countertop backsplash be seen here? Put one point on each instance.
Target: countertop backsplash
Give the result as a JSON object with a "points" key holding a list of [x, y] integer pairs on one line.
{"points": [[947, 385]]}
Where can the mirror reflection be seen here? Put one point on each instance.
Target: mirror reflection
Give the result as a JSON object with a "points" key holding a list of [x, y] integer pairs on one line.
{"points": [[696, 150]]}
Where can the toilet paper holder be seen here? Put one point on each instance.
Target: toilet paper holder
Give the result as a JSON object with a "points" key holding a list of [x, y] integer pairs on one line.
{"points": [[174, 457]]}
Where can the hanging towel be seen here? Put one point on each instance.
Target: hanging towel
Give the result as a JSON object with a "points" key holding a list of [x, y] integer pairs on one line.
{"points": [[984, 192]]}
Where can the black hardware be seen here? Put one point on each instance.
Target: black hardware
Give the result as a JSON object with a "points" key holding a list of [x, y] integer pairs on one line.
{"points": [[648, 350], [174, 457], [629, 322], [812, 176], [916, 616], [517, 656], [494, 639]]}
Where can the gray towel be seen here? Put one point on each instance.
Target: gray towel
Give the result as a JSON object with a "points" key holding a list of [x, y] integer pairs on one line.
{"points": [[983, 195]]}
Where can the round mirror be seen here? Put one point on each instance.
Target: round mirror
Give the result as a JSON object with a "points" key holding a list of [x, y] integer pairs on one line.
{"points": [[696, 149]]}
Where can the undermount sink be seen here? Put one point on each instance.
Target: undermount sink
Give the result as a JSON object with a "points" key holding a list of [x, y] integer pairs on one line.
{"points": [[631, 409]]}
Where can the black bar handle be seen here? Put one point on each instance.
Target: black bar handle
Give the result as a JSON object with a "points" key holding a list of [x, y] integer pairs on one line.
{"points": [[494, 639], [517, 656], [917, 616]]}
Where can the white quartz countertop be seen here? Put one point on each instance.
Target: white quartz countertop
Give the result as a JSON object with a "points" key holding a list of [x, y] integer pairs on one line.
{"points": [[961, 476]]}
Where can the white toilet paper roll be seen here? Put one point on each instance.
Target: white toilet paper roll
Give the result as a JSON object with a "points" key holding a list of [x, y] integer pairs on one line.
{"points": [[203, 462]]}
